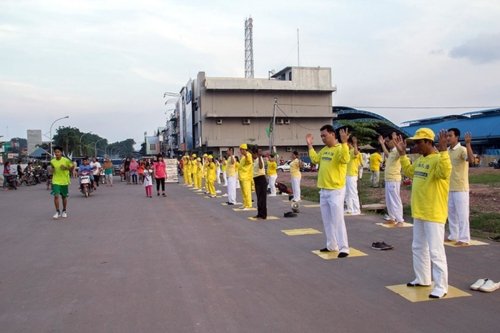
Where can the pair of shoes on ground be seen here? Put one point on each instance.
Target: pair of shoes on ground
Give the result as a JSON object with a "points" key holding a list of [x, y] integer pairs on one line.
{"points": [[381, 246], [485, 285], [58, 215], [230, 203], [341, 254], [495, 239]]}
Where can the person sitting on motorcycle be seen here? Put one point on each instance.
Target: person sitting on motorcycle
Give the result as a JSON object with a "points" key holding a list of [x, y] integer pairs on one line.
{"points": [[85, 167], [6, 175]]}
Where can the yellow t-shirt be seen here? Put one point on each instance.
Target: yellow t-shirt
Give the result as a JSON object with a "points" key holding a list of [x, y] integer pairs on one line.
{"points": [[194, 167], [354, 163], [431, 181], [295, 168], [59, 176], [375, 161], [211, 171], [459, 181], [259, 171], [223, 165], [393, 166], [245, 170], [332, 162], [272, 166], [231, 167]]}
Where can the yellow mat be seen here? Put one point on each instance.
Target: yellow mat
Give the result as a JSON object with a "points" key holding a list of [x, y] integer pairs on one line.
{"points": [[405, 225], [333, 255], [268, 218], [349, 215], [300, 232], [208, 197], [421, 294], [199, 193], [472, 243], [311, 206], [244, 210], [373, 206]]}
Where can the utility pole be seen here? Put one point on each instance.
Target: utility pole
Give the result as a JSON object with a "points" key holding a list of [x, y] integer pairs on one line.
{"points": [[271, 126]]}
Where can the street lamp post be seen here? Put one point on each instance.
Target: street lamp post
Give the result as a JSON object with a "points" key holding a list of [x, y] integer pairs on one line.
{"points": [[51, 152], [81, 154], [95, 147]]}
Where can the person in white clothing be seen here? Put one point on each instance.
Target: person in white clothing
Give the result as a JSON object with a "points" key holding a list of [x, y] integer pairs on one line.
{"points": [[351, 192], [232, 177], [458, 200]]}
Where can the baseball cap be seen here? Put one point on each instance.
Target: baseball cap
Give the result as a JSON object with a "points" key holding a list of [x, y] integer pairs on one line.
{"points": [[244, 146], [421, 134]]}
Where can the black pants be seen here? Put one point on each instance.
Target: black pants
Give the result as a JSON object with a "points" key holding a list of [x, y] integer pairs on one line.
{"points": [[96, 179], [261, 191], [158, 182]]}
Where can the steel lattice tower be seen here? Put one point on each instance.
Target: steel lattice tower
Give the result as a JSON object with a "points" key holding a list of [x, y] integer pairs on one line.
{"points": [[249, 48]]}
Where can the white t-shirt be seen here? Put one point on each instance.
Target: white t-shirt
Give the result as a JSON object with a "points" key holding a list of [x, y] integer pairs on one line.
{"points": [[96, 166]]}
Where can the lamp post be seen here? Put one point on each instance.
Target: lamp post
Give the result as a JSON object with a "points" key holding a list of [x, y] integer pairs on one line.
{"points": [[95, 147], [81, 154], [51, 153]]}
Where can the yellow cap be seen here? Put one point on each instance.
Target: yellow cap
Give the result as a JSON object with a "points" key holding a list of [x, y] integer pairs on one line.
{"points": [[210, 156], [205, 155], [198, 159], [194, 155], [244, 146], [423, 133]]}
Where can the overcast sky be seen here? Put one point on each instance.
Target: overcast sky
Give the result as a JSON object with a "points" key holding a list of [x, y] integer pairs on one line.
{"points": [[106, 64]]}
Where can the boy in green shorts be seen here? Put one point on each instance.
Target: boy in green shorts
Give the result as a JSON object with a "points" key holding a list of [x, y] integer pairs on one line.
{"points": [[61, 168]]}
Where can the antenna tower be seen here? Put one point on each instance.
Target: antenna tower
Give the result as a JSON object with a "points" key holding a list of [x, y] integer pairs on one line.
{"points": [[249, 48]]}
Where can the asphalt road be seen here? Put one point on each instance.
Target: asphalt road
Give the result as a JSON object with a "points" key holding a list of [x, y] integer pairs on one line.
{"points": [[122, 262]]}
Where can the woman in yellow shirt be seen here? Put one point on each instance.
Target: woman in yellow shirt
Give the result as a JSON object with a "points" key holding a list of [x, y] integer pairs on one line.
{"points": [[295, 176], [272, 174]]}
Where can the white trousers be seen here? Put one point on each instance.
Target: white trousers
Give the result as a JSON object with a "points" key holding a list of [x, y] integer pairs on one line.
{"points": [[231, 189], [429, 257], [393, 200], [217, 172], [296, 188], [331, 204], [458, 216], [224, 178], [375, 177], [360, 172], [272, 184], [351, 195]]}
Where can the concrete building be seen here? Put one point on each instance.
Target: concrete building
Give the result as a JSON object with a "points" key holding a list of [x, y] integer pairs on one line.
{"points": [[214, 113]]}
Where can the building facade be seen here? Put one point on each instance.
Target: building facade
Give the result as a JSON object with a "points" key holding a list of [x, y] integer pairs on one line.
{"points": [[216, 113]]}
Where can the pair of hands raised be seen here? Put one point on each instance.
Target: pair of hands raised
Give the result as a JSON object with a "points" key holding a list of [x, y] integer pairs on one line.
{"points": [[344, 136]]}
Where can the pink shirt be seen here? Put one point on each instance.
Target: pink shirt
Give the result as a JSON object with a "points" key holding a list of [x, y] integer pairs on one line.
{"points": [[159, 169]]}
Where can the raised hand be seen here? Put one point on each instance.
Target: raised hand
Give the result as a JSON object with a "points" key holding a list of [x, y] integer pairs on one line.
{"points": [[354, 141], [400, 144], [443, 141], [381, 139], [468, 138], [344, 135], [309, 139]]}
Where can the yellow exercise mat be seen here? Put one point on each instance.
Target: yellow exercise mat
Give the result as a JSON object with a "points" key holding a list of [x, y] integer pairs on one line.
{"points": [[421, 294], [349, 215], [311, 206], [268, 218], [375, 206], [244, 209], [471, 243], [300, 232], [333, 255], [199, 193], [208, 197], [393, 225]]}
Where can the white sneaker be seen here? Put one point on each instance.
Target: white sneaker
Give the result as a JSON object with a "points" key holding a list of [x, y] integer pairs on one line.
{"points": [[56, 216], [478, 284], [489, 286], [64, 214]]}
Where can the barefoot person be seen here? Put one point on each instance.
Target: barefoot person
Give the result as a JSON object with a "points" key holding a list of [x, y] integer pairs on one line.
{"points": [[332, 161]]}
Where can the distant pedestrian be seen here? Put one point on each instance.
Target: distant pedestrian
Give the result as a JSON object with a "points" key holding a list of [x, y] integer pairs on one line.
{"points": [[133, 171], [392, 177], [160, 174], [332, 161], [126, 170], [232, 177], [96, 170], [429, 208], [295, 176], [108, 172], [351, 195], [259, 178], [272, 174], [61, 170], [148, 183], [6, 175], [458, 203], [375, 163], [245, 173]]}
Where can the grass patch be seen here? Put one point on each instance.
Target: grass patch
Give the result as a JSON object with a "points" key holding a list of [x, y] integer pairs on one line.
{"points": [[485, 222], [485, 178], [310, 193]]}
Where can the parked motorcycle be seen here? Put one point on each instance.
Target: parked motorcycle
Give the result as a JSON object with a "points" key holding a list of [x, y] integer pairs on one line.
{"points": [[85, 184]]}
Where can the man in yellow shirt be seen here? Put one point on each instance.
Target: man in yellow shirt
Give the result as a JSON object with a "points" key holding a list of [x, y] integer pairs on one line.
{"points": [[375, 162], [260, 181], [61, 169], [351, 192], [429, 208], [211, 176], [392, 175], [458, 203], [272, 174], [245, 174], [194, 171], [231, 177], [332, 161], [295, 176]]}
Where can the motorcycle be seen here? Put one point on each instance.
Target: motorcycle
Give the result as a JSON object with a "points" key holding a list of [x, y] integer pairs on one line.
{"points": [[11, 181], [85, 184]]}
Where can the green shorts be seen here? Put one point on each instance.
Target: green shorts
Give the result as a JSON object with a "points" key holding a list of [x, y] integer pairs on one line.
{"points": [[61, 190]]}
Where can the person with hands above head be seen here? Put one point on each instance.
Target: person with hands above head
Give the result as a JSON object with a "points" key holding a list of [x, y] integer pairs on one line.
{"points": [[245, 174], [332, 160], [458, 203], [392, 175], [351, 195], [429, 207]]}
